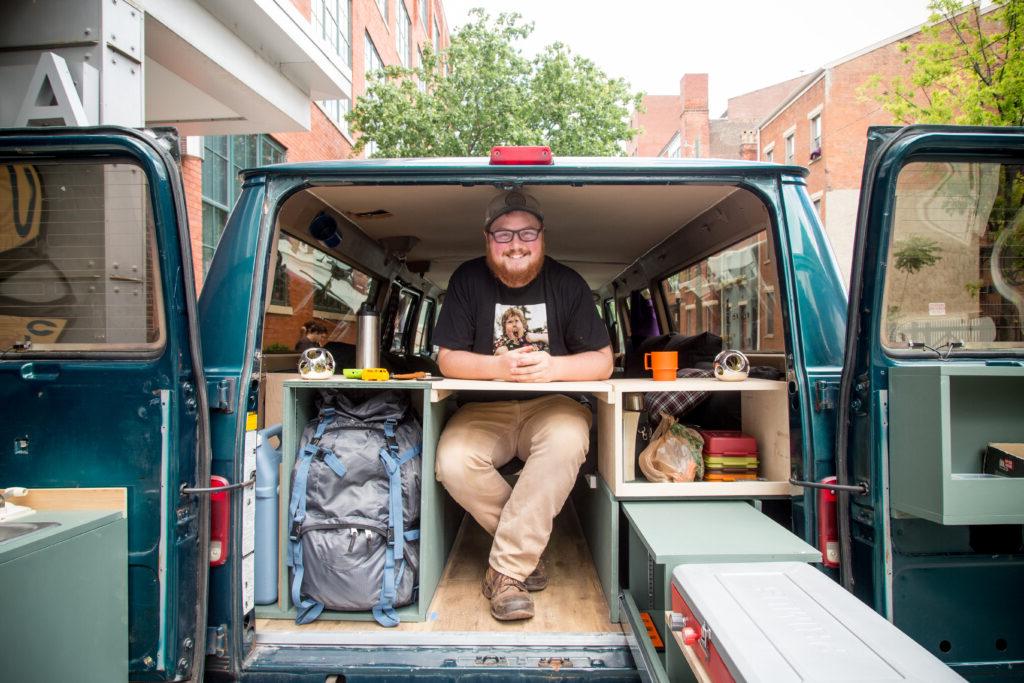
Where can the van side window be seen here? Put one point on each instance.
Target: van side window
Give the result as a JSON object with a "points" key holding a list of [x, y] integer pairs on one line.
{"points": [[311, 285], [611, 319], [424, 328], [731, 294], [78, 266], [956, 258], [403, 310]]}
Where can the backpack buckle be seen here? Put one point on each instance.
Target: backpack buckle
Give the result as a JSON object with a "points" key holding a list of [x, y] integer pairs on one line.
{"points": [[391, 536], [295, 531]]}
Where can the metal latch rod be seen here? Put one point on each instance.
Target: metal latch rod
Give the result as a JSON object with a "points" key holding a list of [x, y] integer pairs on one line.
{"points": [[186, 489], [861, 487]]}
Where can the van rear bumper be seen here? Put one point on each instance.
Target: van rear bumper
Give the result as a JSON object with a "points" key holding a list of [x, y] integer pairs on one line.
{"points": [[438, 656]]}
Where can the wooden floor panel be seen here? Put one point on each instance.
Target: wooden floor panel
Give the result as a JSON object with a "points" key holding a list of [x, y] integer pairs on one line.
{"points": [[573, 602]]}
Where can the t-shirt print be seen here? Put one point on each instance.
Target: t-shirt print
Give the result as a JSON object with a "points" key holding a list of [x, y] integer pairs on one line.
{"points": [[519, 326]]}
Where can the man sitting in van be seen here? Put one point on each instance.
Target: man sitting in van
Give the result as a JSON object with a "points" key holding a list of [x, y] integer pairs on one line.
{"points": [[549, 432]]}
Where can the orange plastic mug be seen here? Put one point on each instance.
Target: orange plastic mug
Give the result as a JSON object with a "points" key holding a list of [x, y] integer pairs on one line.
{"points": [[663, 363]]}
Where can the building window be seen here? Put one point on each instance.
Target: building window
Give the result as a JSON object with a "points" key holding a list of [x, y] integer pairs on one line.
{"points": [[371, 59], [402, 35], [817, 206], [382, 5], [437, 36], [337, 110], [769, 313], [224, 156], [815, 136], [791, 148], [423, 15], [331, 24], [769, 153], [674, 148]]}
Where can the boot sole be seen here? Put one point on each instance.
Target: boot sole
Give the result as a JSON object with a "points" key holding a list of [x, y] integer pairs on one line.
{"points": [[517, 614]]}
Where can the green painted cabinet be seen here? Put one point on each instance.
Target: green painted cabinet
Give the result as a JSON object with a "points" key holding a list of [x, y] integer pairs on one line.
{"points": [[941, 420], [439, 517], [64, 592]]}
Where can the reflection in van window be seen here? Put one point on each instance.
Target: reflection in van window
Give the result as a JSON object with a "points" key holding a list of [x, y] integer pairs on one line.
{"points": [[956, 257], [78, 267], [311, 285], [731, 294]]}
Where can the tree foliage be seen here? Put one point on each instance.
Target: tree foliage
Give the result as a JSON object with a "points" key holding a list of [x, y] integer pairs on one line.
{"points": [[481, 91], [969, 69]]}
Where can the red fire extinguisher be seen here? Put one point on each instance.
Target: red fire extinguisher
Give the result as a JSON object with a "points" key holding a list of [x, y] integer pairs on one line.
{"points": [[828, 523]]}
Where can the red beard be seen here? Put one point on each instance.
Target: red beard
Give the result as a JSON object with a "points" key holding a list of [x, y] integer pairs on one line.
{"points": [[515, 278]]}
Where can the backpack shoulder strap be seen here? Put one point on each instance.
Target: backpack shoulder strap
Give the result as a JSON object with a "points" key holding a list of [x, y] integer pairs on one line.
{"points": [[307, 609], [394, 554]]}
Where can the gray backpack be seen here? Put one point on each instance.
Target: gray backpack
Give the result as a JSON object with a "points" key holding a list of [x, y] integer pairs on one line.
{"points": [[355, 504]]}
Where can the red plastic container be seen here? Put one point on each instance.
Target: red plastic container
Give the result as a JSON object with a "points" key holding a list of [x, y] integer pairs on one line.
{"points": [[728, 443]]}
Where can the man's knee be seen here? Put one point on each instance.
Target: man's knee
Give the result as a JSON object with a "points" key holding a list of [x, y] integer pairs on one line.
{"points": [[564, 431]]}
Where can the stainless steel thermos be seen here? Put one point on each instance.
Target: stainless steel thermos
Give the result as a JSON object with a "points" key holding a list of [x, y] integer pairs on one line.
{"points": [[367, 337]]}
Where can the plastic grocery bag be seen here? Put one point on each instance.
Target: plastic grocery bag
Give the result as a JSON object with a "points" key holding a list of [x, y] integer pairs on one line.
{"points": [[674, 453]]}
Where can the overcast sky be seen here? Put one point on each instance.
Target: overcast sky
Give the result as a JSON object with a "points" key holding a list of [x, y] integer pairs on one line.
{"points": [[742, 44]]}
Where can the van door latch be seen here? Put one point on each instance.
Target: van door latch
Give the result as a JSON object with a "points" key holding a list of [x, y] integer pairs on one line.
{"points": [[217, 640], [223, 394], [824, 395]]}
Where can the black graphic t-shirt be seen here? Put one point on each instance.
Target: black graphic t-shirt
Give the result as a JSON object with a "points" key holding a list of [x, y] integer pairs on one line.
{"points": [[554, 313]]}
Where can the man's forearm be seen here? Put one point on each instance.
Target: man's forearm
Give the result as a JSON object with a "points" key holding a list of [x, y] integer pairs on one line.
{"points": [[581, 367], [467, 365]]}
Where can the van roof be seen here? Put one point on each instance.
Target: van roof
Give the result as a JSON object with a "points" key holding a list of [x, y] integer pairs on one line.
{"points": [[559, 166]]}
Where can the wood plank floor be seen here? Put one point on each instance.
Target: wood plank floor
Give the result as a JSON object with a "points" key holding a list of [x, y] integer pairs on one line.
{"points": [[573, 602]]}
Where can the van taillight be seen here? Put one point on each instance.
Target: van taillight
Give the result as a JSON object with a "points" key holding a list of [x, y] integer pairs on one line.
{"points": [[220, 517], [828, 522], [520, 156]]}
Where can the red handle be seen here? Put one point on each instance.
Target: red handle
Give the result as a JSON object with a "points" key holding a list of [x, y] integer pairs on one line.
{"points": [[220, 518]]}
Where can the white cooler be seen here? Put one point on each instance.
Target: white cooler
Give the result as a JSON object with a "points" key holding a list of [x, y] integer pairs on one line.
{"points": [[786, 621]]}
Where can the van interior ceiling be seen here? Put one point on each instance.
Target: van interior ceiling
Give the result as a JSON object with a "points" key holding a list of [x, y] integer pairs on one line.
{"points": [[598, 230], [399, 246]]}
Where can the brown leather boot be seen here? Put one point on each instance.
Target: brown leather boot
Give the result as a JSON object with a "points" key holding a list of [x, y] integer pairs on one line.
{"points": [[509, 599], [538, 578]]}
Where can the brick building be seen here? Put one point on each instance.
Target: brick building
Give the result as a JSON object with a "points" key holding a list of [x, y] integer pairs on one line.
{"points": [[681, 126], [360, 36]]}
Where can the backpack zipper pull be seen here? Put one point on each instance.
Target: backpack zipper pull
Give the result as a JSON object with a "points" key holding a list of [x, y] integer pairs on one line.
{"points": [[352, 533]]}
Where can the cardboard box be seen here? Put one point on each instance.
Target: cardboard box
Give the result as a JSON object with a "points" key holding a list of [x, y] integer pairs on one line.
{"points": [[1005, 459]]}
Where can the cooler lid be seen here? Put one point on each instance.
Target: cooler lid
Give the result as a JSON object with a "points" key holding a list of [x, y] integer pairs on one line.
{"points": [[786, 621]]}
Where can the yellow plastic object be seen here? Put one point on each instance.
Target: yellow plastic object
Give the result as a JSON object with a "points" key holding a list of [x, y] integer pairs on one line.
{"points": [[375, 375], [352, 373]]}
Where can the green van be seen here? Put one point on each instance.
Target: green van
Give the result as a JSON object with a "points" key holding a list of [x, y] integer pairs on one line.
{"points": [[873, 417]]}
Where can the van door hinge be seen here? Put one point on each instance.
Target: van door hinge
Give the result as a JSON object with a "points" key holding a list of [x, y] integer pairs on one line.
{"points": [[824, 395], [217, 640], [223, 394]]}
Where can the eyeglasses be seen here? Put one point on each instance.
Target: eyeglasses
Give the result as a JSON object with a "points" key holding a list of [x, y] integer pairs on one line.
{"points": [[505, 236]]}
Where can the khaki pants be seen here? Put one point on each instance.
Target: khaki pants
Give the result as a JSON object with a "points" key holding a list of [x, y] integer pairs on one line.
{"points": [[550, 434]]}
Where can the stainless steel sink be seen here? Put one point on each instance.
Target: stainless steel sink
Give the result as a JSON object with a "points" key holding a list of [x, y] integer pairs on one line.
{"points": [[9, 530]]}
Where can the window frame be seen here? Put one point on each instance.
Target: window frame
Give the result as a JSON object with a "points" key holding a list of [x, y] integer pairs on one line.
{"points": [[233, 186], [789, 145], [403, 35]]}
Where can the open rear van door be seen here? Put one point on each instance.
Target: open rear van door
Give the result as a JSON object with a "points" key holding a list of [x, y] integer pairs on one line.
{"points": [[933, 373], [101, 377]]}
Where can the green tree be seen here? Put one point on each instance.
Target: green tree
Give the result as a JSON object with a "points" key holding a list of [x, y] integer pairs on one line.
{"points": [[969, 69], [481, 91]]}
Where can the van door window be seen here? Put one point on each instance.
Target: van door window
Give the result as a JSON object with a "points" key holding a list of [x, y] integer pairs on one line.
{"points": [[78, 267], [311, 286], [731, 294], [956, 258]]}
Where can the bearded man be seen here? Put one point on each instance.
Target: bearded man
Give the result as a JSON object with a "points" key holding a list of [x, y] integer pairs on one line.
{"points": [[550, 433]]}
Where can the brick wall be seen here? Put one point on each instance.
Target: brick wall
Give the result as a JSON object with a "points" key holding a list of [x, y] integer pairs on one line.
{"points": [[658, 123]]}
